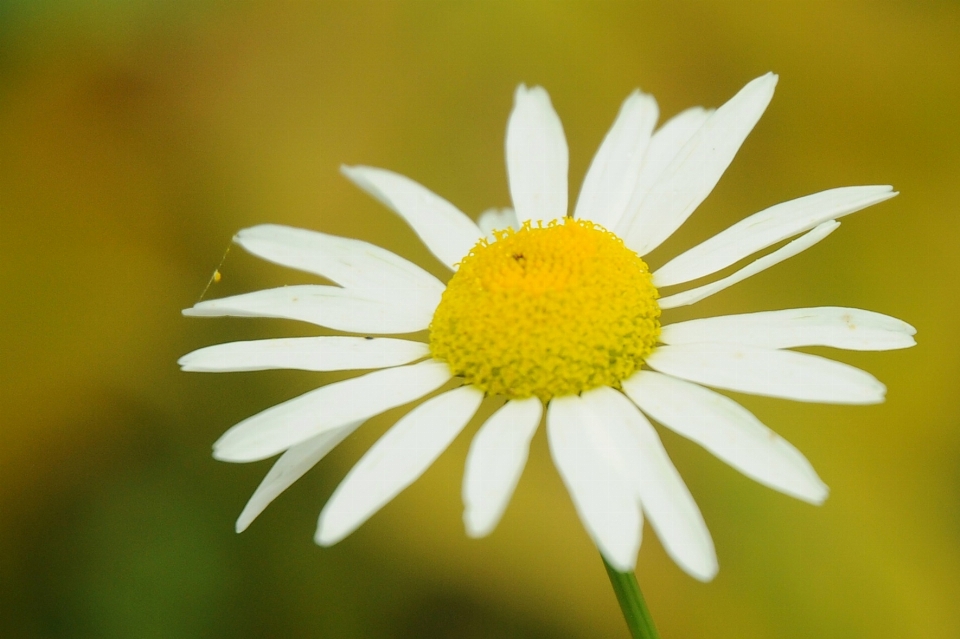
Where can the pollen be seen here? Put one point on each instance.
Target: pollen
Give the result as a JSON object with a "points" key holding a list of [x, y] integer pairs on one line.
{"points": [[547, 311]]}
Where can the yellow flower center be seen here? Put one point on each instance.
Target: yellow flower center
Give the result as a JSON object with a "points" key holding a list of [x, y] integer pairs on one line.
{"points": [[547, 311]]}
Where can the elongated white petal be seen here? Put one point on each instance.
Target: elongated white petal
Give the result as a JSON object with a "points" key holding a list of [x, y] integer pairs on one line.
{"points": [[614, 438], [338, 308], [666, 143], [497, 220], [669, 507], [613, 174], [495, 462], [766, 228], [663, 148], [348, 262], [536, 157], [775, 373], [446, 231], [727, 430], [849, 328], [787, 251], [332, 406], [305, 353], [396, 461], [697, 168], [291, 466], [606, 502]]}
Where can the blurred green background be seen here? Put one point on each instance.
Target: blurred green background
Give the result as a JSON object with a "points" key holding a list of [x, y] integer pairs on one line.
{"points": [[137, 136]]}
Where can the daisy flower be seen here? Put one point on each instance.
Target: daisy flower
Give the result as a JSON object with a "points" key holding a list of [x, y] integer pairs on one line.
{"points": [[554, 314]]}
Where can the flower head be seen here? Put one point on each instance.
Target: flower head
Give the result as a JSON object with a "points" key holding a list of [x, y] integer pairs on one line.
{"points": [[560, 313]]}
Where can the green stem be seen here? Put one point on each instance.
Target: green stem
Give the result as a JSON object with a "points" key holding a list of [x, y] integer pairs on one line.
{"points": [[634, 608]]}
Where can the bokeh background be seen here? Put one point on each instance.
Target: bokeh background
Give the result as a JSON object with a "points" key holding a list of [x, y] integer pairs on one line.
{"points": [[137, 136]]}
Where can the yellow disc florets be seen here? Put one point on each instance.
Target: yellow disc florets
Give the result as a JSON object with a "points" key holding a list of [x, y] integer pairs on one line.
{"points": [[547, 311]]}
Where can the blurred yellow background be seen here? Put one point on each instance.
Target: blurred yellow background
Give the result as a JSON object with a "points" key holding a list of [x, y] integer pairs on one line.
{"points": [[137, 136]]}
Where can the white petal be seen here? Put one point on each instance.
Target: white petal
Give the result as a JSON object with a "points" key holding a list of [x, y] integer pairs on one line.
{"points": [[338, 308], [497, 220], [291, 466], [613, 173], [305, 353], [787, 251], [669, 507], [536, 157], [727, 430], [606, 502], [663, 148], [495, 462], [615, 438], [697, 168], [666, 143], [766, 228], [348, 262], [775, 373], [447, 232], [839, 327], [332, 406], [396, 461]]}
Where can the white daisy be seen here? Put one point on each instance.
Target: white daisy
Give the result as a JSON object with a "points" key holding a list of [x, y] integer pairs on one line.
{"points": [[546, 310]]}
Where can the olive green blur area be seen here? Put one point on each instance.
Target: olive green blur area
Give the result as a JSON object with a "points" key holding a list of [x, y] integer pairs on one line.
{"points": [[136, 137]]}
